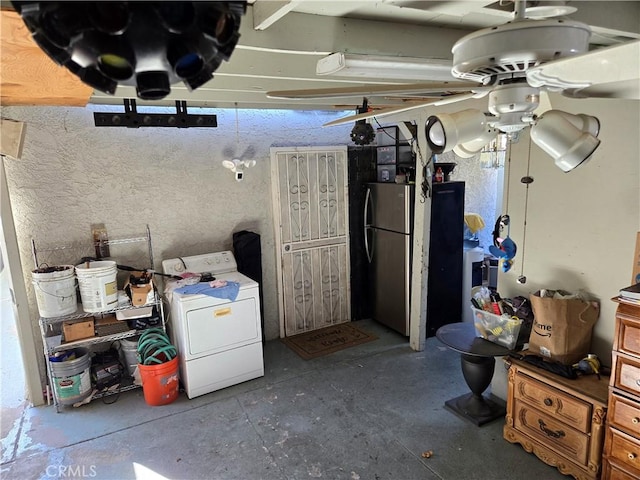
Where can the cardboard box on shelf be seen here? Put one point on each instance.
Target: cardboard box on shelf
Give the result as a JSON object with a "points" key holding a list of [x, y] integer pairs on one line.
{"points": [[139, 287], [78, 330], [141, 294], [108, 325]]}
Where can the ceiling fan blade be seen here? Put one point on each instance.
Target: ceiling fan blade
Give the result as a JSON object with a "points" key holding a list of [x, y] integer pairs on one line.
{"points": [[412, 106], [429, 89], [611, 72]]}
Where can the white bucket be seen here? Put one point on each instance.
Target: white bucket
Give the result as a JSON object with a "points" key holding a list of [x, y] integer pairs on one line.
{"points": [[129, 350], [55, 289], [98, 286], [72, 378]]}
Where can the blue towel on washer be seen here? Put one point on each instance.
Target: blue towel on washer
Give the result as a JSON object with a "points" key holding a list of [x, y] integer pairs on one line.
{"points": [[230, 290]]}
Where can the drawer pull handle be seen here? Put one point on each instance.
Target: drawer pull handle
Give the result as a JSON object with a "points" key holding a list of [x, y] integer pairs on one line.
{"points": [[635, 420], [548, 402], [632, 456], [550, 433]]}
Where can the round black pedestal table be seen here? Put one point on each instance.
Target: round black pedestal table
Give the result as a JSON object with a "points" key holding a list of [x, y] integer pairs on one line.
{"points": [[478, 364]]}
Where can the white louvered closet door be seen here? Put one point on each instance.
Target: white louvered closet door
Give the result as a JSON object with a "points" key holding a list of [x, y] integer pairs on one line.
{"points": [[310, 207]]}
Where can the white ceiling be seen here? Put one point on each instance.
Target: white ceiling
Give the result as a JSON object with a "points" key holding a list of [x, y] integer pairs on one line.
{"points": [[281, 42]]}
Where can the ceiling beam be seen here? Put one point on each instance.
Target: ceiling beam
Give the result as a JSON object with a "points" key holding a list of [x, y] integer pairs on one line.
{"points": [[28, 76], [266, 13], [284, 56], [306, 33], [457, 8]]}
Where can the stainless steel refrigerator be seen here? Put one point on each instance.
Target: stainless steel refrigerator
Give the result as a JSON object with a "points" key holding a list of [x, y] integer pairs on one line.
{"points": [[388, 235]]}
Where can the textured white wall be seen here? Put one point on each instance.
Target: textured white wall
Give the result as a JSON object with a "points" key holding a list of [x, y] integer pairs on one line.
{"points": [[73, 174], [581, 225]]}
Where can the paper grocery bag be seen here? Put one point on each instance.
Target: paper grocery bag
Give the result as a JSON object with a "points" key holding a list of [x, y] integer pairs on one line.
{"points": [[562, 328]]}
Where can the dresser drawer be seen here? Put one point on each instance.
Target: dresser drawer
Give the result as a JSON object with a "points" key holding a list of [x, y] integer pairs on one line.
{"points": [[624, 448], [624, 414], [561, 406], [613, 471], [551, 432], [625, 373], [627, 339]]}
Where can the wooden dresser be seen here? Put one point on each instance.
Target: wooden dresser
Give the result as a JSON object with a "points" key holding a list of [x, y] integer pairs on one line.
{"points": [[622, 441], [560, 420]]}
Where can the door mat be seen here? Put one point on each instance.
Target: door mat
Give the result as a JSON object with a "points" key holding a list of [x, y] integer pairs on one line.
{"points": [[327, 340]]}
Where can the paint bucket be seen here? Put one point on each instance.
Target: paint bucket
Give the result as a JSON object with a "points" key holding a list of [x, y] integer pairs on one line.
{"points": [[55, 289], [98, 285], [160, 382], [129, 351], [72, 378]]}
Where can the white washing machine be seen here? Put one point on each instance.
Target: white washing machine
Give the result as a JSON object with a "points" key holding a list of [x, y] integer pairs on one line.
{"points": [[219, 341]]}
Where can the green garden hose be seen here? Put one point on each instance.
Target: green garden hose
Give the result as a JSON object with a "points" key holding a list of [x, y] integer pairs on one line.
{"points": [[154, 347]]}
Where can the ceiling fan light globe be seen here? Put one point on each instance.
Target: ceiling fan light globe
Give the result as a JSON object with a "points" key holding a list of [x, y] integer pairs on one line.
{"points": [[435, 134], [585, 123], [446, 131], [469, 149], [560, 136], [579, 155]]}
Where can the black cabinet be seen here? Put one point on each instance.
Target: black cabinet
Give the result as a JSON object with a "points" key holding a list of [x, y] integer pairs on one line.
{"points": [[444, 290], [248, 253], [362, 170]]}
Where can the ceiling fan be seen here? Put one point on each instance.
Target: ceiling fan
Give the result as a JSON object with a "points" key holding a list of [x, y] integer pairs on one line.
{"points": [[514, 64]]}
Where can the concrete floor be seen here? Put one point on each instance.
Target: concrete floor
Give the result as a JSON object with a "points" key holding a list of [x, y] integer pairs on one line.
{"points": [[368, 412]]}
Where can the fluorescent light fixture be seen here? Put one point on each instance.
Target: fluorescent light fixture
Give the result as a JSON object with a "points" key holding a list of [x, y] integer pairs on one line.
{"points": [[373, 66], [568, 139], [464, 132]]}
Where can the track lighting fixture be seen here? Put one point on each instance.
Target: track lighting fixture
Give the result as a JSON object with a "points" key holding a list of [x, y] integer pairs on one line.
{"points": [[149, 45], [131, 118], [568, 139]]}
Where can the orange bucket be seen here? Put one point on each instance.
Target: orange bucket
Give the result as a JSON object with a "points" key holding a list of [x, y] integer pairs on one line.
{"points": [[160, 382]]}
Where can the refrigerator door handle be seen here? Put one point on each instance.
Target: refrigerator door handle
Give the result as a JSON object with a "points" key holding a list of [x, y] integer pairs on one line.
{"points": [[367, 226], [367, 229]]}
